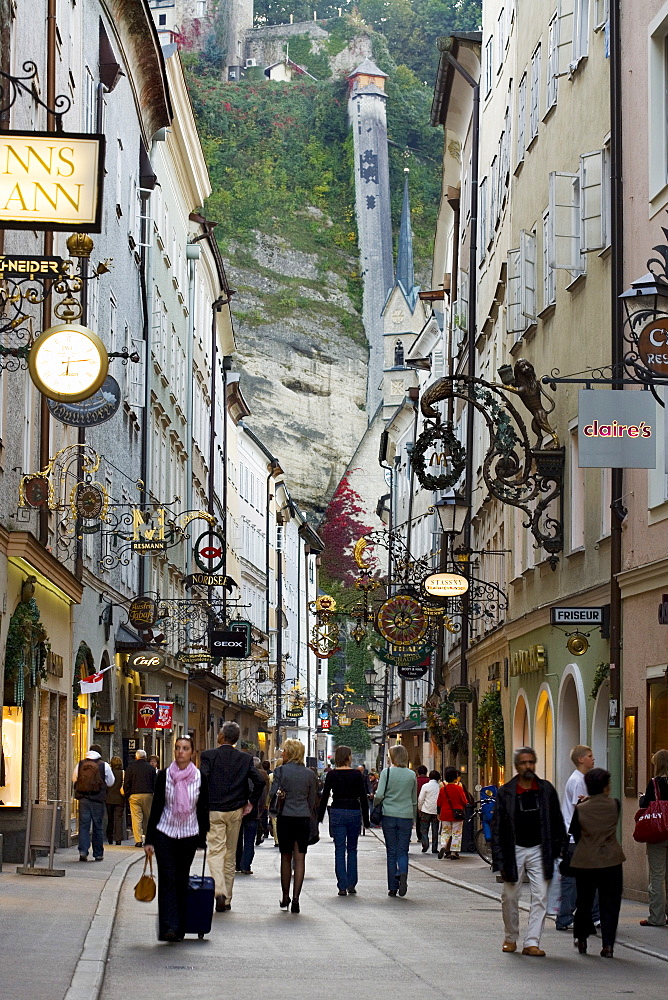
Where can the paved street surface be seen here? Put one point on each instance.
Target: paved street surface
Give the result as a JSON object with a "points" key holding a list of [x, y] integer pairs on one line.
{"points": [[44, 922], [439, 941]]}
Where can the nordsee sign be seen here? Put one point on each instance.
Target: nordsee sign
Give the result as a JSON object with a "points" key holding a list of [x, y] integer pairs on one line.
{"points": [[576, 616], [51, 180], [616, 430]]}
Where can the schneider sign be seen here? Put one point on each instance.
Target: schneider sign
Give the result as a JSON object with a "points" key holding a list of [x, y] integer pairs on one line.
{"points": [[51, 180], [616, 430]]}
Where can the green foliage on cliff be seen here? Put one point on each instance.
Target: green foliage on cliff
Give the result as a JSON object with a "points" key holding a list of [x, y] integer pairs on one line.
{"points": [[411, 27]]}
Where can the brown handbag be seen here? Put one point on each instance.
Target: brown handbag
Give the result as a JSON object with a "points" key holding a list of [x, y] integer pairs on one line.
{"points": [[145, 887]]}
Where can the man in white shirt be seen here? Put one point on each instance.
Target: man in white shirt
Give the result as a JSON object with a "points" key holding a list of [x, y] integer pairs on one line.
{"points": [[91, 777], [583, 759]]}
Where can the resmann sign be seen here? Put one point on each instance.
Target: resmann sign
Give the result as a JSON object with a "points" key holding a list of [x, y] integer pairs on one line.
{"points": [[51, 180]]}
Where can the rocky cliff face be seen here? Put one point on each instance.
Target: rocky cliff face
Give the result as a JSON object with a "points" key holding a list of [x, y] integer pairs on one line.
{"points": [[303, 358]]}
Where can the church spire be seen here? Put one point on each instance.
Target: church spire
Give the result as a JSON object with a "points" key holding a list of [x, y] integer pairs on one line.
{"points": [[405, 277]]}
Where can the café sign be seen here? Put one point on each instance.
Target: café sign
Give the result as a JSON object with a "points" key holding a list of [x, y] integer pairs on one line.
{"points": [[616, 430], [51, 181]]}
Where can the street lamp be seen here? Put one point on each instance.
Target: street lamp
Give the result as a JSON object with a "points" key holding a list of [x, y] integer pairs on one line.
{"points": [[370, 675], [452, 512]]}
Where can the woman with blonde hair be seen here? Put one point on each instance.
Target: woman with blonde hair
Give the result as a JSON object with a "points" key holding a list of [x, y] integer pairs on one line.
{"points": [[294, 791], [397, 791], [657, 854]]}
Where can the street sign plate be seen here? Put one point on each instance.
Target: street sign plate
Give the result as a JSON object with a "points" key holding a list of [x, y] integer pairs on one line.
{"points": [[576, 616], [460, 693]]}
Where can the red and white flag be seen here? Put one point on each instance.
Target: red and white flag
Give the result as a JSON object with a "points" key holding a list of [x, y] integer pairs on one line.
{"points": [[93, 683]]}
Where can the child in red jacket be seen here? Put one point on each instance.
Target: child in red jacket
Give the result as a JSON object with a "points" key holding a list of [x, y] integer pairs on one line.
{"points": [[451, 804]]}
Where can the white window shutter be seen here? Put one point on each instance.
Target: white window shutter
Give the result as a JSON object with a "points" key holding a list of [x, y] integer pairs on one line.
{"points": [[514, 320], [137, 374], [521, 118], [566, 32], [591, 201], [528, 275], [564, 222]]}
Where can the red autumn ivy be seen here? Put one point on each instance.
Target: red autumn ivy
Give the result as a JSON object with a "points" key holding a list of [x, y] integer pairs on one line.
{"points": [[341, 528]]}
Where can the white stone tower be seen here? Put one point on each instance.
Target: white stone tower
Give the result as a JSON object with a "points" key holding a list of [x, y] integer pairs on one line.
{"points": [[374, 224], [239, 20]]}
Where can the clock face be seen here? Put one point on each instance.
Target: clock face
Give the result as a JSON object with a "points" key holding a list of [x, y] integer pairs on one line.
{"points": [[68, 362]]}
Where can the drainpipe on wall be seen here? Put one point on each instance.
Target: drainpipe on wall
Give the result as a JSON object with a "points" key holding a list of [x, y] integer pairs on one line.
{"points": [[471, 365], [617, 325]]}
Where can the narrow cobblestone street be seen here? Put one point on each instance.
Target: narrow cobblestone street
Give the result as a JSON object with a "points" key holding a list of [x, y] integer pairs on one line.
{"points": [[439, 940]]}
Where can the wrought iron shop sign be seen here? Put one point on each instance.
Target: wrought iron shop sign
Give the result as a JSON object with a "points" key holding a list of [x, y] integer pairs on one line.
{"points": [[146, 660], [207, 580], [24, 264], [232, 644], [616, 430], [97, 409], [461, 693], [577, 616], [143, 612], [51, 181]]}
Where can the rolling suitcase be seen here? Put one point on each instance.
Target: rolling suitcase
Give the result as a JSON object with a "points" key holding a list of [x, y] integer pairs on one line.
{"points": [[199, 903]]}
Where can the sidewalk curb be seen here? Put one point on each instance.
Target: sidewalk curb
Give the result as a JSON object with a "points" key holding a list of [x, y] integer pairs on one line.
{"points": [[488, 894], [89, 973]]}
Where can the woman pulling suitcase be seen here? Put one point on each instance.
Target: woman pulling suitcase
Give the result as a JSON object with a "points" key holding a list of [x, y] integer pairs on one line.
{"points": [[177, 826]]}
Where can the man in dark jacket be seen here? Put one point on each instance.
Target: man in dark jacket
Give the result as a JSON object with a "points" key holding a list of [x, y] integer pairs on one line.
{"points": [[138, 787], [527, 835], [234, 786]]}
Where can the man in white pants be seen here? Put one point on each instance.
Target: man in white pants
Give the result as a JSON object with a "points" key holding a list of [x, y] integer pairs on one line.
{"points": [[527, 835]]}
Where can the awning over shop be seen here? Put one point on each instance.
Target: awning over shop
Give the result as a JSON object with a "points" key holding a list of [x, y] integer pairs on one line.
{"points": [[127, 640]]}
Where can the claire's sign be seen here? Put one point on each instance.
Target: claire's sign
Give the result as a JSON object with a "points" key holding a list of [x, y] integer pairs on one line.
{"points": [[616, 430], [51, 180]]}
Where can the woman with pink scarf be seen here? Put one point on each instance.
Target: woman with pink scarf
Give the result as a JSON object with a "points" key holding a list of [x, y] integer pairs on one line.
{"points": [[177, 826]]}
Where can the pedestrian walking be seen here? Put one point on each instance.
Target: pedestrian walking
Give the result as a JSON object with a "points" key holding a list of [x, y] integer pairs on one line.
{"points": [[234, 786], [422, 779], [657, 854], [154, 762], [177, 826], [249, 828], [138, 786], [348, 811], [527, 835], [116, 804], [296, 819], [263, 807], [583, 761], [397, 792], [597, 862], [452, 801], [428, 809], [92, 777]]}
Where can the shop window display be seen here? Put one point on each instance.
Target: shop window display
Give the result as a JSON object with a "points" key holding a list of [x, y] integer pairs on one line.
{"points": [[11, 757], [658, 717]]}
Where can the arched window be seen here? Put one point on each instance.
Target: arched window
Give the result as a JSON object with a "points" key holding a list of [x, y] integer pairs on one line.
{"points": [[398, 354]]}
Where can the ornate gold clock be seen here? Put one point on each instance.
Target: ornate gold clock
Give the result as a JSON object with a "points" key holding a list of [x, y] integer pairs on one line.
{"points": [[401, 620], [68, 362]]}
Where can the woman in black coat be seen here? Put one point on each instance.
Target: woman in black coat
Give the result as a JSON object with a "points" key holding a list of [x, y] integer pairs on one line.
{"points": [[177, 826]]}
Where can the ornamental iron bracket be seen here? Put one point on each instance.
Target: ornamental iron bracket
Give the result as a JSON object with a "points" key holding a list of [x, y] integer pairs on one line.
{"points": [[515, 472]]}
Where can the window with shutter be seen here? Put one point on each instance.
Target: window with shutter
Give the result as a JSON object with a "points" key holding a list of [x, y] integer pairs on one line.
{"points": [[565, 36], [552, 63], [534, 110], [601, 13], [549, 277], [528, 276], [591, 199], [489, 60], [521, 118], [494, 196], [137, 374], [514, 320], [501, 39], [564, 222], [482, 218]]}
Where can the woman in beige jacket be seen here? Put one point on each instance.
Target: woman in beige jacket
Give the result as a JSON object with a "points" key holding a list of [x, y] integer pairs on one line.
{"points": [[597, 862]]}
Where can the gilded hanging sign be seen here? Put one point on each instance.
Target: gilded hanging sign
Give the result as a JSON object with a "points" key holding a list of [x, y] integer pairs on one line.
{"points": [[51, 181]]}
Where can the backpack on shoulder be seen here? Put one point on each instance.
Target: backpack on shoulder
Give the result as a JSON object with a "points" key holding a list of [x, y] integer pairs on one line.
{"points": [[89, 777]]}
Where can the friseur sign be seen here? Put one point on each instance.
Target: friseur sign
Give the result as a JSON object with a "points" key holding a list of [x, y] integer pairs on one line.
{"points": [[51, 181]]}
